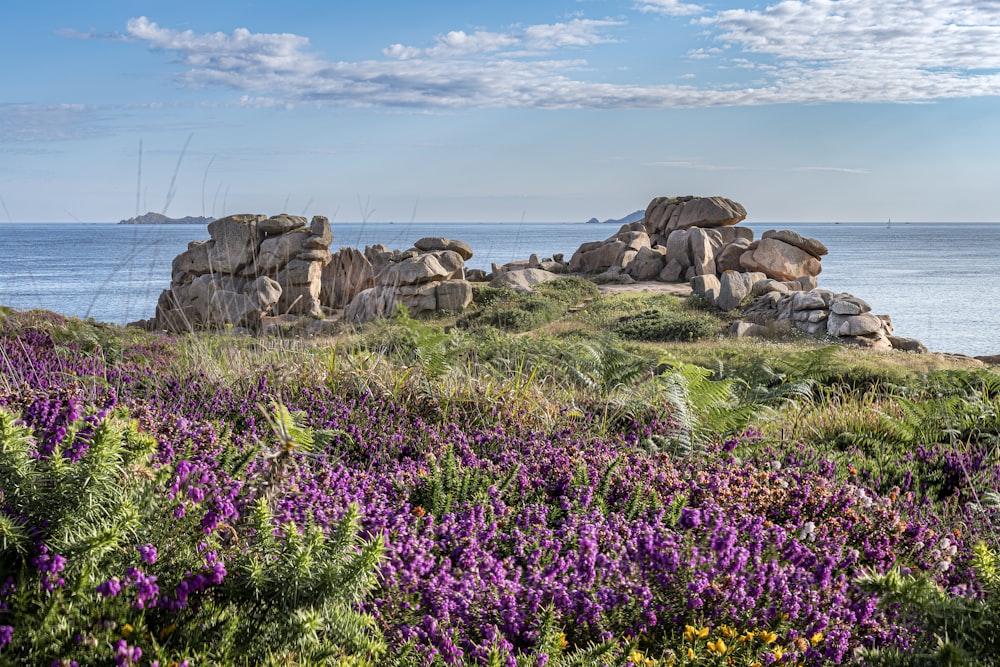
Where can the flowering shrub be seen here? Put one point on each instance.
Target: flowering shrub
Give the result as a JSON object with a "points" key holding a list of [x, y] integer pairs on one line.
{"points": [[156, 517]]}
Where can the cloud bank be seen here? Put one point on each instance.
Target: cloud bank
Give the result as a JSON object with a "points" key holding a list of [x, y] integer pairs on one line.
{"points": [[797, 51]]}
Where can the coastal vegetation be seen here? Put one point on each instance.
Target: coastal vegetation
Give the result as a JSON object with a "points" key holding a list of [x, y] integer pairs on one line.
{"points": [[557, 478]]}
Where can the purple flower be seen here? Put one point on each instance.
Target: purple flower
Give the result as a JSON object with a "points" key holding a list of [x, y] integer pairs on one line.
{"points": [[147, 553], [6, 635], [110, 588]]}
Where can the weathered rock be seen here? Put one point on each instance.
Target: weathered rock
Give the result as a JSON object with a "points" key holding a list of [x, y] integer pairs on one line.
{"points": [[679, 248], [453, 296], [709, 212], [233, 308], [807, 283], [733, 288], [412, 271], [280, 224], [811, 246], [702, 251], [854, 325], [348, 273], [601, 258], [371, 304], [236, 238], [480, 276], [265, 292], [647, 264], [634, 240], [909, 345], [451, 261], [192, 262], [705, 283], [320, 234], [849, 305], [780, 260], [430, 244], [808, 301], [522, 280], [278, 251], [671, 272], [872, 341], [728, 258]]}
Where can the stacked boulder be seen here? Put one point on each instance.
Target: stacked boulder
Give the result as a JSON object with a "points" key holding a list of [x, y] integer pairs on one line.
{"points": [[428, 278], [818, 313], [254, 267], [251, 266], [681, 238]]}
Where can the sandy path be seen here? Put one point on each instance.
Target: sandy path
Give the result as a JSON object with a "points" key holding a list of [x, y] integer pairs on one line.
{"points": [[648, 287]]}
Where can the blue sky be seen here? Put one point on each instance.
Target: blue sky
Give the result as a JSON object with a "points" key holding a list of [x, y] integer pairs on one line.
{"points": [[811, 110]]}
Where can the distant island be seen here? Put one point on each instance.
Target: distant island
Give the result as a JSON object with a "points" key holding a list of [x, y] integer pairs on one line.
{"points": [[634, 216], [160, 219]]}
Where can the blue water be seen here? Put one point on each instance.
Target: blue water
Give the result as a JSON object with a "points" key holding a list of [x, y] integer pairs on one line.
{"points": [[937, 281]]}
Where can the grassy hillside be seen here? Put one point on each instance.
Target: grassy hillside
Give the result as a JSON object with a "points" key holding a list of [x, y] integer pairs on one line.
{"points": [[550, 479]]}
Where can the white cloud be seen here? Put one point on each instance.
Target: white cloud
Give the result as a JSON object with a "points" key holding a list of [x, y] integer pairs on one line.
{"points": [[807, 51], [669, 7]]}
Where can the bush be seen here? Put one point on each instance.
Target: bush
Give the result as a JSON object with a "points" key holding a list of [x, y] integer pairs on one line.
{"points": [[658, 325], [517, 312]]}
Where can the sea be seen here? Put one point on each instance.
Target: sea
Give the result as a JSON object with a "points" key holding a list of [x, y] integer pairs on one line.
{"points": [[940, 282]]}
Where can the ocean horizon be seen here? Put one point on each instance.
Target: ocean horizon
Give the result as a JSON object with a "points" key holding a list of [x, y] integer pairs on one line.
{"points": [[933, 279]]}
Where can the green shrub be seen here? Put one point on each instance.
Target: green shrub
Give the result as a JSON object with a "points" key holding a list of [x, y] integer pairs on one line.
{"points": [[660, 325], [506, 309]]}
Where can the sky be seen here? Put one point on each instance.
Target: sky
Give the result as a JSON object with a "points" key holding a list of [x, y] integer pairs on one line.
{"points": [[458, 111]]}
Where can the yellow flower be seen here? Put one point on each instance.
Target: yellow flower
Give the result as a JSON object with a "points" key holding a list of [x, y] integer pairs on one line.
{"points": [[166, 632], [689, 633], [767, 636], [703, 633], [562, 640], [727, 632], [127, 629], [748, 636], [778, 652], [816, 638], [691, 655], [718, 646], [636, 658]]}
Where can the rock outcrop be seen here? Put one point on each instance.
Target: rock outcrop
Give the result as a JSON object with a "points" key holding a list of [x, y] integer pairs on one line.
{"points": [[428, 278], [823, 314], [254, 267], [683, 237]]}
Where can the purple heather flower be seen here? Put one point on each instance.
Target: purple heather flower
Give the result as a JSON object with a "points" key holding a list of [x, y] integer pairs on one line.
{"points": [[110, 588], [147, 553], [6, 635]]}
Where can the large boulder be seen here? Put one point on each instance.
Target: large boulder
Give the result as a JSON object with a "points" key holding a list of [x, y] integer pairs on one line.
{"points": [[192, 262], [423, 268], [281, 224], [348, 273], [522, 280], [278, 251], [780, 261], [710, 212], [430, 244], [236, 239], [811, 246]]}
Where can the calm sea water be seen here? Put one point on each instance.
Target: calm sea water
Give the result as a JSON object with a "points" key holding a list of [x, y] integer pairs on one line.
{"points": [[938, 281]]}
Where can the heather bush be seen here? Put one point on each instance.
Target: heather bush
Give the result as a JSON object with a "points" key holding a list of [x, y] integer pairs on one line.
{"points": [[659, 325]]}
